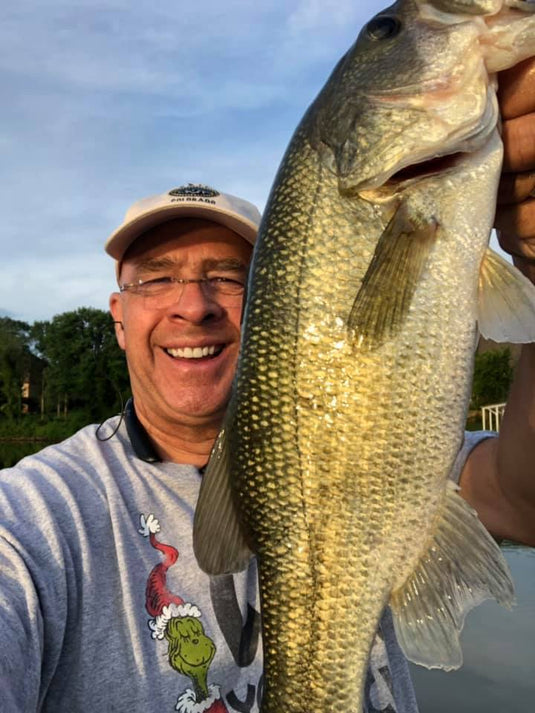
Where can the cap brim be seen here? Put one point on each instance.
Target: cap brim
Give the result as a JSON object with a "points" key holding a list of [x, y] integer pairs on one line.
{"points": [[124, 236]]}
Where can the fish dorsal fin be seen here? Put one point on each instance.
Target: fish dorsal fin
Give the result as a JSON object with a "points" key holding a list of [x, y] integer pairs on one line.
{"points": [[506, 308], [218, 541], [389, 284], [461, 567]]}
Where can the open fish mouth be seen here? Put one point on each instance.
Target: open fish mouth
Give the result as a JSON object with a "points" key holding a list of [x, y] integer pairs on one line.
{"points": [[442, 164], [424, 169]]}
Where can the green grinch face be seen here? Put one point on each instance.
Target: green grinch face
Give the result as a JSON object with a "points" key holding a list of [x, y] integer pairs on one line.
{"points": [[190, 650]]}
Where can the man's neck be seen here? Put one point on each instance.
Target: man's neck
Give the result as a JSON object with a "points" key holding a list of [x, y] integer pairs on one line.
{"points": [[177, 443]]}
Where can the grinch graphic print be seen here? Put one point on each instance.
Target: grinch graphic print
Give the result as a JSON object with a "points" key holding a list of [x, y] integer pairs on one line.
{"points": [[190, 649]]}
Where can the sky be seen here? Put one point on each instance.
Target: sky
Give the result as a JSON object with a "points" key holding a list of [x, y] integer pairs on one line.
{"points": [[104, 103]]}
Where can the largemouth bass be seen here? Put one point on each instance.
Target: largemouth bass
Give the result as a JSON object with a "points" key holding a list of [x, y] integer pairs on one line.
{"points": [[370, 279]]}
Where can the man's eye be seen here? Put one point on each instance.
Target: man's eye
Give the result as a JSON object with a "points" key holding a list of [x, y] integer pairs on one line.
{"points": [[154, 285], [158, 281], [226, 285], [225, 281]]}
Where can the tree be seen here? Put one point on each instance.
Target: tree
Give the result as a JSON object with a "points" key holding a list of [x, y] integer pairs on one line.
{"points": [[493, 374], [15, 358], [86, 368]]}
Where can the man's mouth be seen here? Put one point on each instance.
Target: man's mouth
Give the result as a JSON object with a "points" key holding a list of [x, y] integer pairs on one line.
{"points": [[195, 352]]}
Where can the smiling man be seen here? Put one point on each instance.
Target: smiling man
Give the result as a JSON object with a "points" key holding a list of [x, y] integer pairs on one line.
{"points": [[178, 318]]}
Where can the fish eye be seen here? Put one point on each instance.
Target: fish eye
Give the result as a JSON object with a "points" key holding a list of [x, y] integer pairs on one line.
{"points": [[383, 27]]}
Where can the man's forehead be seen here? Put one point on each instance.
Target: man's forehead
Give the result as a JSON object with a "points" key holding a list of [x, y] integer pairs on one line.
{"points": [[182, 234], [172, 245]]}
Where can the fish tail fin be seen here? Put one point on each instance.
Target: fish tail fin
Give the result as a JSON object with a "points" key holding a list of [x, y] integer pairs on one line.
{"points": [[506, 302], [462, 567]]}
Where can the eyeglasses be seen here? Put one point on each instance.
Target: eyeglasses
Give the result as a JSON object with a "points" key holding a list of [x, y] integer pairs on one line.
{"points": [[161, 292]]}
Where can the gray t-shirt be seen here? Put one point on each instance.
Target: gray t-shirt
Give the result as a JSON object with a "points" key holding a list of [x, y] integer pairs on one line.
{"points": [[96, 560]]}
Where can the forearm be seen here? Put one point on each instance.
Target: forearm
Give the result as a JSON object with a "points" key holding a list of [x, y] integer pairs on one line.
{"points": [[515, 452], [498, 479]]}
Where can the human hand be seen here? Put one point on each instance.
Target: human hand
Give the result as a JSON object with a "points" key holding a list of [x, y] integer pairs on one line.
{"points": [[515, 216]]}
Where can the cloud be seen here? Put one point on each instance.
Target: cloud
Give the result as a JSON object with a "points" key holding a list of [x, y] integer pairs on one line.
{"points": [[106, 102], [38, 287]]}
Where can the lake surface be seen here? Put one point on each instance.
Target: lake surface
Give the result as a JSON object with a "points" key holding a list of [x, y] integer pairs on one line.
{"points": [[498, 674]]}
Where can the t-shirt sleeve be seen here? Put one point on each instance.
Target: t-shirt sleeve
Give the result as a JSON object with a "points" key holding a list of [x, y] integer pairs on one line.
{"points": [[22, 633], [471, 439]]}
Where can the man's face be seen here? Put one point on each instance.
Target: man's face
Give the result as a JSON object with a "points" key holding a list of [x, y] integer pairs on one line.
{"points": [[172, 381]]}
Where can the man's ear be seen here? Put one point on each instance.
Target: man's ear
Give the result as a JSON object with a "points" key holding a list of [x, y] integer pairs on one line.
{"points": [[116, 309]]}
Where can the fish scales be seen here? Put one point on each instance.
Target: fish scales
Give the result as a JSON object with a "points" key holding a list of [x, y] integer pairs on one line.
{"points": [[348, 414], [355, 369]]}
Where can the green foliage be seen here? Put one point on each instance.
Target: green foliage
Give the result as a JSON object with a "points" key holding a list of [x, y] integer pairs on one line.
{"points": [[493, 374], [73, 364], [86, 368], [15, 359]]}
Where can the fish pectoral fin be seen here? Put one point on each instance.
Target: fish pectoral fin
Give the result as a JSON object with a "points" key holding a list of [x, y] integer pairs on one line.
{"points": [[218, 540], [506, 305], [462, 567], [385, 295]]}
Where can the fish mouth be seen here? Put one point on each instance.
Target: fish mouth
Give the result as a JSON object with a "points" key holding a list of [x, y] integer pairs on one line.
{"points": [[425, 169], [437, 160]]}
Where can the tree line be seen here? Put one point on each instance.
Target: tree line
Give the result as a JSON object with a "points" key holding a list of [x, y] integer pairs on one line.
{"points": [[68, 366], [71, 369]]}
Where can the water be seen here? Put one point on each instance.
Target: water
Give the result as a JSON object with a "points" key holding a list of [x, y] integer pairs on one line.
{"points": [[498, 674]]}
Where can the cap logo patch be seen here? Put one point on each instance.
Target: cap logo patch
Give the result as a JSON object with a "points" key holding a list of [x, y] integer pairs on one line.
{"points": [[194, 190]]}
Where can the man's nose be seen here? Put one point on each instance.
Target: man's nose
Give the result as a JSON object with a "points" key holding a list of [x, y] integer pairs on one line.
{"points": [[195, 303]]}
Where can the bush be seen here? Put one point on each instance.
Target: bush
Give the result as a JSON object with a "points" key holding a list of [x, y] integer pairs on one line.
{"points": [[493, 374]]}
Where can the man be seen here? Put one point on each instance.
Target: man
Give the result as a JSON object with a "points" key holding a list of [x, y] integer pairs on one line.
{"points": [[102, 605]]}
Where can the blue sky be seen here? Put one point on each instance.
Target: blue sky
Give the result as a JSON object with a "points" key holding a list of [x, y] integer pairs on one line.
{"points": [[107, 102]]}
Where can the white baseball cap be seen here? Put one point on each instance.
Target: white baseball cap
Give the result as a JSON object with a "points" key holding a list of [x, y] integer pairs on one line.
{"points": [[190, 201]]}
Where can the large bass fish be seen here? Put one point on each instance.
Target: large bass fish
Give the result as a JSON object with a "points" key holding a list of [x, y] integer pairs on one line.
{"points": [[370, 279]]}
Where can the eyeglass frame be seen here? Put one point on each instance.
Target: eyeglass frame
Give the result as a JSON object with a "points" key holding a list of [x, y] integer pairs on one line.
{"points": [[171, 280]]}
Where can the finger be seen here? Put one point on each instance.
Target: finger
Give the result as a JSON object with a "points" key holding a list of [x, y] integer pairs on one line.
{"points": [[516, 89], [519, 143], [516, 223], [522, 252], [524, 249], [516, 187]]}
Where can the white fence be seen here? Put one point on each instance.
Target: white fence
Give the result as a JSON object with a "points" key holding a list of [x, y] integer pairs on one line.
{"points": [[492, 417]]}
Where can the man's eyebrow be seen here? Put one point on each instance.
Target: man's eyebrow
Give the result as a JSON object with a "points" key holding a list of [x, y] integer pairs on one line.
{"points": [[156, 264], [162, 264], [228, 263]]}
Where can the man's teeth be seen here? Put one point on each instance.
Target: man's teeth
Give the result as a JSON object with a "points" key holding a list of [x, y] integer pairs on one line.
{"points": [[192, 352]]}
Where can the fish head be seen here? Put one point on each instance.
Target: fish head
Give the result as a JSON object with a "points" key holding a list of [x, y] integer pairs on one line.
{"points": [[412, 94]]}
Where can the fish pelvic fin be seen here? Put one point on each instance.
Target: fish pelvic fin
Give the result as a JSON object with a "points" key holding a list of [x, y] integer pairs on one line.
{"points": [[506, 302], [218, 540], [384, 298], [462, 567]]}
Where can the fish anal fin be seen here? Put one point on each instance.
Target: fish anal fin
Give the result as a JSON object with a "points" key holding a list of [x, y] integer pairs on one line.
{"points": [[385, 295], [219, 543], [462, 567], [506, 304]]}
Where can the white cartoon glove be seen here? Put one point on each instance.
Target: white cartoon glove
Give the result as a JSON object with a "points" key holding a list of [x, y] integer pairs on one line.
{"points": [[149, 525]]}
